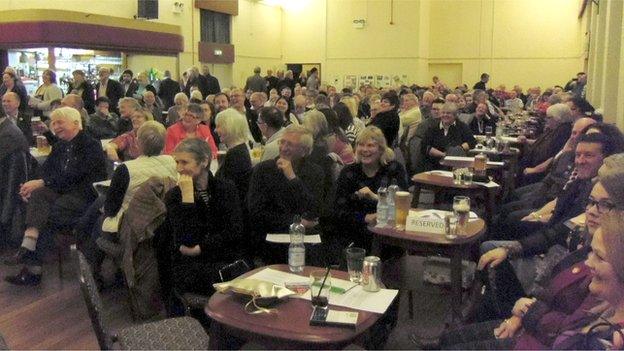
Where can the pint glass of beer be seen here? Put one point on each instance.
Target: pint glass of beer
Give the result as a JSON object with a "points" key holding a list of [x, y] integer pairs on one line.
{"points": [[402, 202], [461, 207], [42, 145]]}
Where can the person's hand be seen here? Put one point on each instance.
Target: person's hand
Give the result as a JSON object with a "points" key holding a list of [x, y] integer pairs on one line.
{"points": [[112, 154], [370, 218], [618, 342], [522, 306], [186, 188], [508, 328], [366, 193], [529, 170], [536, 217], [522, 139], [492, 258], [286, 167], [190, 251], [27, 188], [309, 223]]}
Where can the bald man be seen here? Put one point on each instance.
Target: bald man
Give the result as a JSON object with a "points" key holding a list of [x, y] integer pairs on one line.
{"points": [[11, 104]]}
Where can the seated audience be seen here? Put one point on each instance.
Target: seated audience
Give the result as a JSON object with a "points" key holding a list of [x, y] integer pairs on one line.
{"points": [[236, 165], [14, 156], [410, 112], [173, 114], [524, 261], [127, 143], [346, 122], [448, 137], [189, 126], [283, 187], [11, 82], [289, 118], [562, 284], [355, 203], [45, 93], [58, 199], [127, 107], [149, 102], [10, 105], [271, 124], [103, 124], [203, 226], [482, 120], [525, 223], [387, 117], [557, 130]]}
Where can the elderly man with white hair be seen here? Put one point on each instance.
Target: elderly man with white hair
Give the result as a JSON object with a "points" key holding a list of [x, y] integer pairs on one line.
{"points": [[282, 188], [65, 190]]}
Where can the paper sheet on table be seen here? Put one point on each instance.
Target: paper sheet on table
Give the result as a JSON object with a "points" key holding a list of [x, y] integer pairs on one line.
{"points": [[442, 173], [471, 159], [356, 298], [490, 184], [439, 214], [285, 238], [459, 158]]}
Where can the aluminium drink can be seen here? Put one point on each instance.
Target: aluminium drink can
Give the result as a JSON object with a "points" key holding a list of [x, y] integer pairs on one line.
{"points": [[371, 274]]}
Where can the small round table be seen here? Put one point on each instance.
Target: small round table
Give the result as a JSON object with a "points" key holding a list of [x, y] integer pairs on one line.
{"points": [[429, 243], [289, 328]]}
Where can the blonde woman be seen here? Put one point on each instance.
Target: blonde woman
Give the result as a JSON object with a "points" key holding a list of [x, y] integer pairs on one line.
{"points": [[355, 203]]}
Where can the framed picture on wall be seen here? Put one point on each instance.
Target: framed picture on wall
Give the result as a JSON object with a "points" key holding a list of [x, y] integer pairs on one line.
{"points": [[366, 80], [350, 81]]}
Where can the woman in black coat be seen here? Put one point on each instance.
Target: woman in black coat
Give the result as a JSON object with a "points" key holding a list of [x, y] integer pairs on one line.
{"points": [[203, 227], [387, 119]]}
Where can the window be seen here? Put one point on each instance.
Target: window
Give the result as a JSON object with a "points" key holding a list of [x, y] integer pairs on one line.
{"points": [[215, 27]]}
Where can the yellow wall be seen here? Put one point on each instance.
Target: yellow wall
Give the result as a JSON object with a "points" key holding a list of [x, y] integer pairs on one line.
{"points": [[257, 38], [528, 42]]}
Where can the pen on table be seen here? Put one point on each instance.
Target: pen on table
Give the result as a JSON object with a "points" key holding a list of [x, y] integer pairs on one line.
{"points": [[351, 245]]}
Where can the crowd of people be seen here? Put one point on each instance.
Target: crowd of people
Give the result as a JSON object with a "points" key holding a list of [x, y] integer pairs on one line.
{"points": [[293, 147]]}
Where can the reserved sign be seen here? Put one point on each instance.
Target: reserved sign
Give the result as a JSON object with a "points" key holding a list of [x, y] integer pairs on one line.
{"points": [[427, 225]]}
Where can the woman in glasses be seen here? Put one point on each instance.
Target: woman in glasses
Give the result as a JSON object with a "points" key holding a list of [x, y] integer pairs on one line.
{"points": [[561, 301]]}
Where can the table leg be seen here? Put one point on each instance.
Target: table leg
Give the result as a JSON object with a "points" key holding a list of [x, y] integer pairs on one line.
{"points": [[456, 285]]}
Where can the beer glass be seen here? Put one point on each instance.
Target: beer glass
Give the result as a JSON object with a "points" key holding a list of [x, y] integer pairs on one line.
{"points": [[461, 208], [402, 202]]}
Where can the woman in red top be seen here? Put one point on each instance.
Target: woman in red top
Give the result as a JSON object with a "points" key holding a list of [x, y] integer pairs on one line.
{"points": [[189, 127]]}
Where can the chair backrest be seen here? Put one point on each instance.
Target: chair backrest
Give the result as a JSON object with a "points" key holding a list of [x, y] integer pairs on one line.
{"points": [[466, 117], [93, 301]]}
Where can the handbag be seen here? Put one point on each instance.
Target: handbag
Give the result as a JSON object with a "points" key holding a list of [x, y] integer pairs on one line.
{"points": [[437, 271]]}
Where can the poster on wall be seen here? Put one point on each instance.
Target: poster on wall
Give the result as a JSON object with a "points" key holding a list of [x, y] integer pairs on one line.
{"points": [[383, 81], [366, 80], [350, 81], [399, 80]]}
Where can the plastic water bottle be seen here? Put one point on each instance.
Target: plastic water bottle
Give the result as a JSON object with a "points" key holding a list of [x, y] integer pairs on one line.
{"points": [[382, 207], [296, 250], [392, 189]]}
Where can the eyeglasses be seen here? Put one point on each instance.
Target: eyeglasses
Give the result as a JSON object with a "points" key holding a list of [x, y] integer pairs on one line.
{"points": [[602, 206]]}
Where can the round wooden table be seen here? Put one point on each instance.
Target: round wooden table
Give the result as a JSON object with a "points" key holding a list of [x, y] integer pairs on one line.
{"points": [[289, 328], [429, 243], [437, 183]]}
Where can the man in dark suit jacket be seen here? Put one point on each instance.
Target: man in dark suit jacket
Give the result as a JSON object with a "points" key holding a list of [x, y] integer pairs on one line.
{"points": [[167, 90], [10, 104], [481, 84], [129, 85], [81, 87], [213, 82], [112, 89]]}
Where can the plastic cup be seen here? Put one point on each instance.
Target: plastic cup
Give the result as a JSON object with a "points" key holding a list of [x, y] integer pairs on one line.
{"points": [[355, 260]]}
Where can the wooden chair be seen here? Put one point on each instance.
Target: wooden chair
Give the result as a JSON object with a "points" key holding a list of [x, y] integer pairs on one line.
{"points": [[182, 333]]}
